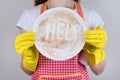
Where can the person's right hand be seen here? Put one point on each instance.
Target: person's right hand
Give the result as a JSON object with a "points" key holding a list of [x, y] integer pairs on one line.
{"points": [[24, 44]]}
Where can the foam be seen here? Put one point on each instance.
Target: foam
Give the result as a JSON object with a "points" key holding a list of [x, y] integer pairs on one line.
{"points": [[59, 33]]}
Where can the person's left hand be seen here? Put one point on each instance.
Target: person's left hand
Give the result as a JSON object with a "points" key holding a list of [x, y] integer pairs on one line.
{"points": [[95, 40]]}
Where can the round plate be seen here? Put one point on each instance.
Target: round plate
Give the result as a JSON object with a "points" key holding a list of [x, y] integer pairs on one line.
{"points": [[59, 33]]}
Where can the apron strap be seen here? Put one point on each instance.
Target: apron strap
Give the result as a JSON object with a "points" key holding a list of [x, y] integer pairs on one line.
{"points": [[78, 9], [43, 7]]}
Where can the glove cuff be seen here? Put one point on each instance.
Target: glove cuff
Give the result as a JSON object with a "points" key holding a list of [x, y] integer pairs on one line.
{"points": [[31, 63], [96, 56]]}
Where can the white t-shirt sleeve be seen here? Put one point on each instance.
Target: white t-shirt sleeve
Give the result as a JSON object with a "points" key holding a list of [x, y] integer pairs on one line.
{"points": [[24, 21], [95, 19]]}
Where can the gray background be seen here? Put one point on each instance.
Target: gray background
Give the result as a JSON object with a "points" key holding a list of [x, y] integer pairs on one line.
{"points": [[10, 11]]}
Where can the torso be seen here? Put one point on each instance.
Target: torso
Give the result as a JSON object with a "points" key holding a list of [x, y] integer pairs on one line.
{"points": [[69, 69]]}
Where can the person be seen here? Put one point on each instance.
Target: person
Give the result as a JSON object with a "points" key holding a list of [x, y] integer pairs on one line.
{"points": [[41, 68]]}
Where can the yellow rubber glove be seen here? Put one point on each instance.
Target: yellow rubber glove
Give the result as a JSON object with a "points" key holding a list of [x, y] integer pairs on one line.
{"points": [[24, 44], [95, 40]]}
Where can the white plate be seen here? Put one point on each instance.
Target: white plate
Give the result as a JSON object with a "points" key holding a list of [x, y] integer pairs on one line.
{"points": [[59, 33]]}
